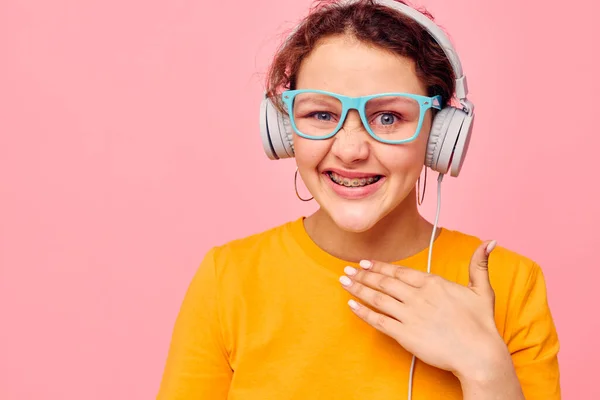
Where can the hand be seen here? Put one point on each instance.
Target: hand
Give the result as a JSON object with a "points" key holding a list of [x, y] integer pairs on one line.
{"points": [[444, 324]]}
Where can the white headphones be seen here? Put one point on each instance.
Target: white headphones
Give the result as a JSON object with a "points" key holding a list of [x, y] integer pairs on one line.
{"points": [[451, 128]]}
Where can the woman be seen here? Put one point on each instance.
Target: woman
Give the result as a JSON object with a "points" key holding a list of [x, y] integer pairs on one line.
{"points": [[340, 304]]}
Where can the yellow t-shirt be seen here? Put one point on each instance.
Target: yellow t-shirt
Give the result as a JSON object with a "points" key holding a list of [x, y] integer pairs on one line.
{"points": [[265, 318]]}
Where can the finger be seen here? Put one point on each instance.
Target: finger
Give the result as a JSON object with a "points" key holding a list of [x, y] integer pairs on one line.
{"points": [[389, 285], [479, 276], [379, 300], [381, 322], [407, 275]]}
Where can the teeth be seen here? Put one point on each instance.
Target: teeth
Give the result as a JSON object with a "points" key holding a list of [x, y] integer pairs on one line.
{"points": [[356, 182]]}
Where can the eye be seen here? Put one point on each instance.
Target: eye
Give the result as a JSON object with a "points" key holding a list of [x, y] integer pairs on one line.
{"points": [[386, 119], [323, 116]]}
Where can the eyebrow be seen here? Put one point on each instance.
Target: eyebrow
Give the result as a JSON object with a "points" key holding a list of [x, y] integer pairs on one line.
{"points": [[321, 100], [389, 99]]}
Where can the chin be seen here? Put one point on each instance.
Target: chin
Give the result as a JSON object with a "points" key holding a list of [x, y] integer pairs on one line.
{"points": [[354, 210], [357, 209], [355, 225], [354, 217]]}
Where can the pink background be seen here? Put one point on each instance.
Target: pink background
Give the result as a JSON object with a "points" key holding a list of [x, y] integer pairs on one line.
{"points": [[129, 145]]}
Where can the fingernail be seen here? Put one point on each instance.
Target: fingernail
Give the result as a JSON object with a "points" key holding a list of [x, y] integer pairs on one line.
{"points": [[353, 304], [366, 264], [490, 247], [344, 280], [350, 271]]}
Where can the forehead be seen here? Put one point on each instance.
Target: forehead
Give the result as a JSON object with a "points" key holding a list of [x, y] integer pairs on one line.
{"points": [[344, 65]]}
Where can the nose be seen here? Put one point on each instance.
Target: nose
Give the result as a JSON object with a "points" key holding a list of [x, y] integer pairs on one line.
{"points": [[351, 143]]}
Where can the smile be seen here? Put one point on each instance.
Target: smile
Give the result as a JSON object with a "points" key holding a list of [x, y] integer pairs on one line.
{"points": [[353, 182]]}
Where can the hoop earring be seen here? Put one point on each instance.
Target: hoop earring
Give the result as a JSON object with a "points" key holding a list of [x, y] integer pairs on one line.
{"points": [[419, 197], [296, 187]]}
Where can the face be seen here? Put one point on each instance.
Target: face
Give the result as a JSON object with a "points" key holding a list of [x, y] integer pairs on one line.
{"points": [[348, 67]]}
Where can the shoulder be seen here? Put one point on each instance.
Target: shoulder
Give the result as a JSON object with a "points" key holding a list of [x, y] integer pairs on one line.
{"points": [[243, 246], [521, 312], [513, 275], [517, 279], [253, 250], [504, 262]]}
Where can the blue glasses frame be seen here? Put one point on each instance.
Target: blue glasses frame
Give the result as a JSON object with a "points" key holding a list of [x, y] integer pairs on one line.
{"points": [[358, 104]]}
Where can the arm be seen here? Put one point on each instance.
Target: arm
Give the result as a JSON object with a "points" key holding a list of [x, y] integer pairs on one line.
{"points": [[527, 366], [533, 342], [197, 366], [495, 380]]}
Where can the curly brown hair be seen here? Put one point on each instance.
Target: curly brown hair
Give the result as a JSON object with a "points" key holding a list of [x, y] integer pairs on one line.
{"points": [[371, 23]]}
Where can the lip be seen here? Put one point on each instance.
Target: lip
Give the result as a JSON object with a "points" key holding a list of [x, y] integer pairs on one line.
{"points": [[354, 193], [351, 174]]}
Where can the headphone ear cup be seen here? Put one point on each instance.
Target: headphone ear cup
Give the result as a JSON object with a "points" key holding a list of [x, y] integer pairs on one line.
{"points": [[264, 131], [448, 141], [287, 133], [275, 131], [462, 144], [437, 135]]}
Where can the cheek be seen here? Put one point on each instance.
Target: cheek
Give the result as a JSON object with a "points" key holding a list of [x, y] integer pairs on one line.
{"points": [[414, 153], [309, 153], [411, 154], [404, 161]]}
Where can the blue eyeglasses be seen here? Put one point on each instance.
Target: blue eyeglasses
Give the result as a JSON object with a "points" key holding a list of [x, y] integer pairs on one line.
{"points": [[392, 118]]}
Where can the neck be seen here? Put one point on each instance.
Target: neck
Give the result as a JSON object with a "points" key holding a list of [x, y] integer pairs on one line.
{"points": [[400, 234]]}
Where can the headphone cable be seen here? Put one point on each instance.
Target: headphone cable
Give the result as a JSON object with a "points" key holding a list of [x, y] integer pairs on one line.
{"points": [[435, 224]]}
